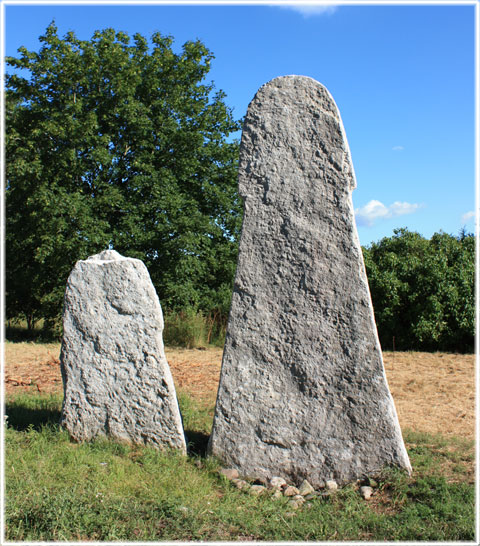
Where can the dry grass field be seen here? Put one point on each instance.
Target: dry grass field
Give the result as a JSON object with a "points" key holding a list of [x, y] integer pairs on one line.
{"points": [[433, 392]]}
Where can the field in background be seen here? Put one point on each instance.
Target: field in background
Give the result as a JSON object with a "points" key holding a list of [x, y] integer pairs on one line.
{"points": [[433, 392]]}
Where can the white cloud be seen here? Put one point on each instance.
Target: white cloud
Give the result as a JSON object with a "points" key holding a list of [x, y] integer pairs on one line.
{"points": [[468, 216], [310, 9], [375, 210], [398, 148]]}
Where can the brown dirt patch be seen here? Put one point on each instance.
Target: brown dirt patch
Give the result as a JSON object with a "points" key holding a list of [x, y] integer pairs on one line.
{"points": [[196, 371], [32, 366], [433, 392]]}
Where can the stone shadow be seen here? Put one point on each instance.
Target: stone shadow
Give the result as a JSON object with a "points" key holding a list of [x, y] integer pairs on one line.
{"points": [[197, 443], [20, 417]]}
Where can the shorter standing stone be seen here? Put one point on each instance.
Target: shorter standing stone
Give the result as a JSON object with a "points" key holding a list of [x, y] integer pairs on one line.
{"points": [[115, 375]]}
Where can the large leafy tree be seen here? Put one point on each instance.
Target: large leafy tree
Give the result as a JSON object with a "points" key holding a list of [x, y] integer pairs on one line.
{"points": [[423, 290], [118, 143]]}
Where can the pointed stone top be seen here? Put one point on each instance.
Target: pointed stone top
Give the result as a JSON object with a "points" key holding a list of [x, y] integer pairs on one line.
{"points": [[106, 256], [304, 89], [294, 79], [291, 122]]}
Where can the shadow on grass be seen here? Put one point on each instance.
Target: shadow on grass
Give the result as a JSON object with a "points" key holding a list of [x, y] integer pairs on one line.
{"points": [[21, 417], [197, 443], [27, 412]]}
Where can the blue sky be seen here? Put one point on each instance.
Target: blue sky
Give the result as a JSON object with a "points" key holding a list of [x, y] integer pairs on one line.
{"points": [[402, 76]]}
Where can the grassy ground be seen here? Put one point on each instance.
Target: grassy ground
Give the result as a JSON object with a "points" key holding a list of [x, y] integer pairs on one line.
{"points": [[58, 490]]}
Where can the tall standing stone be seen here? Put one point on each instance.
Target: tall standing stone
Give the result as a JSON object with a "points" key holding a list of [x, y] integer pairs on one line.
{"points": [[116, 378], [303, 392]]}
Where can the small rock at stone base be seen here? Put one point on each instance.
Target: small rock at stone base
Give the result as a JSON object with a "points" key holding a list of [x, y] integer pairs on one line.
{"points": [[277, 494], [331, 485], [290, 491], [257, 490], [290, 514], [239, 484], [277, 482], [366, 492], [305, 488], [312, 495], [229, 473], [295, 503]]}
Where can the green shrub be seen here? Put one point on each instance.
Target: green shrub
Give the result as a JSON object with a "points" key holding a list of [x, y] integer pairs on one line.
{"points": [[185, 329], [193, 329], [423, 291]]}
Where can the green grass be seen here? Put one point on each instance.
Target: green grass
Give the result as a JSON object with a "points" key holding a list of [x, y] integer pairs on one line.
{"points": [[58, 490]]}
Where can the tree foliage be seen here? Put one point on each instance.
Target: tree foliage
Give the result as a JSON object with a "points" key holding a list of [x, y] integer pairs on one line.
{"points": [[118, 143], [423, 291]]}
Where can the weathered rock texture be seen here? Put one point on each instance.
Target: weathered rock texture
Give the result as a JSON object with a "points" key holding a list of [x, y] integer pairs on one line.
{"points": [[303, 392], [116, 378]]}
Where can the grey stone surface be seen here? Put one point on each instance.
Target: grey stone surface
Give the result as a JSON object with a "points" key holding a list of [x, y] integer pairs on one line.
{"points": [[116, 378], [303, 392]]}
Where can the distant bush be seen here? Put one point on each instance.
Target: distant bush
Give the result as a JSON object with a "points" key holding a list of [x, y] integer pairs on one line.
{"points": [[44, 331], [423, 294], [193, 329], [423, 291]]}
